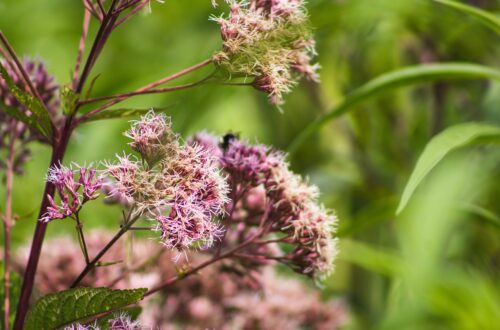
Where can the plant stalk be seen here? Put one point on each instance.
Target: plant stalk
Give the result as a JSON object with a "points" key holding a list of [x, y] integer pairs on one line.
{"points": [[145, 89], [36, 246], [7, 222], [91, 265]]}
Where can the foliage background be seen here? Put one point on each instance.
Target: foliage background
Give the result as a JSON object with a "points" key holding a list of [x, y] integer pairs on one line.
{"points": [[430, 268]]}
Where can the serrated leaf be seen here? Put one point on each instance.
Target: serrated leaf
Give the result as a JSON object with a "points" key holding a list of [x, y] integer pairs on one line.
{"points": [[66, 307], [40, 115], [441, 145], [21, 116], [123, 113], [483, 16], [389, 81]]}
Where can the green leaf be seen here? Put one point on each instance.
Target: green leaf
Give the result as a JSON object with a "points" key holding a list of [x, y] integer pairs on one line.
{"points": [[441, 145], [68, 99], [15, 292], [21, 116], [388, 81], [376, 213], [123, 113], [485, 214], [483, 16], [66, 307], [40, 115]]}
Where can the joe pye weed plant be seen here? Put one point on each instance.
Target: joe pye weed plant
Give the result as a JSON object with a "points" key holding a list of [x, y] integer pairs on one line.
{"points": [[198, 230], [210, 201]]}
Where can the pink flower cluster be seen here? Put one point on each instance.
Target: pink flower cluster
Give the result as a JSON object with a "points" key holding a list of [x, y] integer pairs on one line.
{"points": [[59, 267], [308, 224], [73, 192], [261, 182], [150, 136], [119, 322], [199, 195], [124, 322], [182, 190], [217, 298], [269, 40], [251, 164], [122, 185]]}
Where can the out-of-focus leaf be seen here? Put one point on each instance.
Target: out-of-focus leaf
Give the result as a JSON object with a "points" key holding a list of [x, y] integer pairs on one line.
{"points": [[483, 213], [40, 115], [123, 113], [363, 255], [468, 300], [66, 307], [483, 16], [374, 214], [450, 139], [389, 81]]}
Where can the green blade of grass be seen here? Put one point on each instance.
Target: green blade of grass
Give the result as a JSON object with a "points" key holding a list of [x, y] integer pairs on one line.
{"points": [[483, 16], [388, 81], [441, 145]]}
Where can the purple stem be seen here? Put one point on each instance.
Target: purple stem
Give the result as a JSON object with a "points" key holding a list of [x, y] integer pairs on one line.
{"points": [[36, 246]]}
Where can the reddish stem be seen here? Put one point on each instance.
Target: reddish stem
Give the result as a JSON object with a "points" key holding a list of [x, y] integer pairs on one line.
{"points": [[7, 221], [101, 7], [36, 246], [81, 47], [147, 88], [101, 37], [92, 9], [130, 94], [131, 13], [91, 265]]}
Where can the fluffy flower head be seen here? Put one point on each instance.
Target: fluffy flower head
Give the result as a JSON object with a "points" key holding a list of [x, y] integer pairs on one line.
{"points": [[73, 192], [250, 164], [269, 40], [150, 136], [183, 190]]}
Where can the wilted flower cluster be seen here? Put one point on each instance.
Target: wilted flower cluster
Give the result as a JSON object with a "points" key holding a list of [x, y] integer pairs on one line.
{"points": [[73, 192], [11, 127], [269, 40], [262, 182], [179, 186]]}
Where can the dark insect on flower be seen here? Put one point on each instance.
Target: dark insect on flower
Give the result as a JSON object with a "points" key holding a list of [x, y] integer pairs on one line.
{"points": [[227, 139]]}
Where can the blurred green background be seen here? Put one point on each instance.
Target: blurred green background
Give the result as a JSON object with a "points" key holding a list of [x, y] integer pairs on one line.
{"points": [[433, 267]]}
